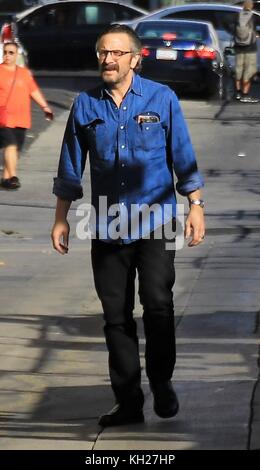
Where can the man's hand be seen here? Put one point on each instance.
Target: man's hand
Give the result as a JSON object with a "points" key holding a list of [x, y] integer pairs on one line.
{"points": [[60, 237], [195, 225]]}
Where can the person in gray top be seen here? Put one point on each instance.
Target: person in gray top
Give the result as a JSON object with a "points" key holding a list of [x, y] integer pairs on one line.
{"points": [[246, 52]]}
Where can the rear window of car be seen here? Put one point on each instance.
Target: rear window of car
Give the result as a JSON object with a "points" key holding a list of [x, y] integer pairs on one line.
{"points": [[197, 15], [95, 14], [191, 32], [221, 19], [225, 21]]}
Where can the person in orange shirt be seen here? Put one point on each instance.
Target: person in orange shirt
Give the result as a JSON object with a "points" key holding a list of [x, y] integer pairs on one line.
{"points": [[17, 87]]}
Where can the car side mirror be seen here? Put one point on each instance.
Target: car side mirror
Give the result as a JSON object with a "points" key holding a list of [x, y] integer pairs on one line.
{"points": [[229, 51]]}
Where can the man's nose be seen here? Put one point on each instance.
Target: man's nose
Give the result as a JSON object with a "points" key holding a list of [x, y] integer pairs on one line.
{"points": [[108, 59]]}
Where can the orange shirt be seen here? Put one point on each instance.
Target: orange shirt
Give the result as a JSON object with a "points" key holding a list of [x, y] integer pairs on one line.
{"points": [[19, 102]]}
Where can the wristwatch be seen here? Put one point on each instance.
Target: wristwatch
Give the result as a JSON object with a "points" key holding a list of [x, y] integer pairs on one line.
{"points": [[197, 202]]}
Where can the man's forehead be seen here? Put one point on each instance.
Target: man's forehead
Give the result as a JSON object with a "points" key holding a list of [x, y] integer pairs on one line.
{"points": [[115, 39]]}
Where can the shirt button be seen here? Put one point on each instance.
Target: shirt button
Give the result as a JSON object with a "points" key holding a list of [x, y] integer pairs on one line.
{"points": [[122, 184], [124, 108], [123, 165], [147, 128], [122, 203], [122, 146], [122, 127]]}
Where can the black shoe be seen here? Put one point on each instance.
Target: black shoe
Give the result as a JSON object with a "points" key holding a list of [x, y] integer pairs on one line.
{"points": [[165, 399], [120, 415], [11, 183]]}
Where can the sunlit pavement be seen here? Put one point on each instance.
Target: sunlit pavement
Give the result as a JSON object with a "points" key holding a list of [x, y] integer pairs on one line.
{"points": [[54, 377]]}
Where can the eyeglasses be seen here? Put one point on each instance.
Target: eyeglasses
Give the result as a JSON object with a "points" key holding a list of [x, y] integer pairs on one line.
{"points": [[9, 52], [114, 54]]}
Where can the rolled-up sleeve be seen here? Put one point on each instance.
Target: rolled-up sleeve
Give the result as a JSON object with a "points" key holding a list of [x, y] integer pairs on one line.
{"points": [[182, 153], [67, 185]]}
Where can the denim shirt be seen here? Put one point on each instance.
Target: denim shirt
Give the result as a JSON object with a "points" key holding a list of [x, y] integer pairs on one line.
{"points": [[132, 164]]}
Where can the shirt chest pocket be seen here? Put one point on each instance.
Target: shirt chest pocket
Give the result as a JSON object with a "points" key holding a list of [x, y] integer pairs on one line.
{"points": [[149, 136], [98, 137]]}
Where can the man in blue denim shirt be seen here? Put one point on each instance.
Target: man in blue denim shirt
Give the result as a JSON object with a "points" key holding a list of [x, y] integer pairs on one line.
{"points": [[137, 139]]}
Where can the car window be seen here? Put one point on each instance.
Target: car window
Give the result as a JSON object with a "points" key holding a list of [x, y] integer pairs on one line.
{"points": [[34, 21], [221, 20], [124, 13], [225, 21], [172, 31], [49, 18], [95, 14], [200, 15]]}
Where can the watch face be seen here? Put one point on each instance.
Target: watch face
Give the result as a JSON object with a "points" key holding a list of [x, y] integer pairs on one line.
{"points": [[197, 202]]}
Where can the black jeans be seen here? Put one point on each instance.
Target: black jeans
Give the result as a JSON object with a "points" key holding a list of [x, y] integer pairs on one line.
{"points": [[114, 268]]}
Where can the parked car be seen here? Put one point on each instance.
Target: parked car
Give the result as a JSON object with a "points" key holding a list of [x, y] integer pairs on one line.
{"points": [[222, 17], [186, 54], [62, 35]]}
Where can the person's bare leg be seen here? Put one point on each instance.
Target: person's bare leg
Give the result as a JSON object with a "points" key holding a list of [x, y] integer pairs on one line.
{"points": [[10, 161], [238, 89], [246, 87], [238, 85]]}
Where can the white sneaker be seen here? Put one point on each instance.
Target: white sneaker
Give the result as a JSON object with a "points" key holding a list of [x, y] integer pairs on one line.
{"points": [[249, 99]]}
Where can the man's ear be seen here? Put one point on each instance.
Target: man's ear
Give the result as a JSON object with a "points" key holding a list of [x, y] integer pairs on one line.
{"points": [[134, 61]]}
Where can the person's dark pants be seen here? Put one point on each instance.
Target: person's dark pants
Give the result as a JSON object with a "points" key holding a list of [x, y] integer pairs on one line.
{"points": [[12, 136], [114, 268]]}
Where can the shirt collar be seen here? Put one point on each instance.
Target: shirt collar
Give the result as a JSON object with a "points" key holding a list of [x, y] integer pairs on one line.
{"points": [[136, 87]]}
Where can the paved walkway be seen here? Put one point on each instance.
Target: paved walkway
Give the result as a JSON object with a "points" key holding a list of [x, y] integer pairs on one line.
{"points": [[54, 380]]}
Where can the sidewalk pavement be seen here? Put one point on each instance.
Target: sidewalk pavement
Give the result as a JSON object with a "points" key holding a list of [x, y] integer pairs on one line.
{"points": [[54, 377]]}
